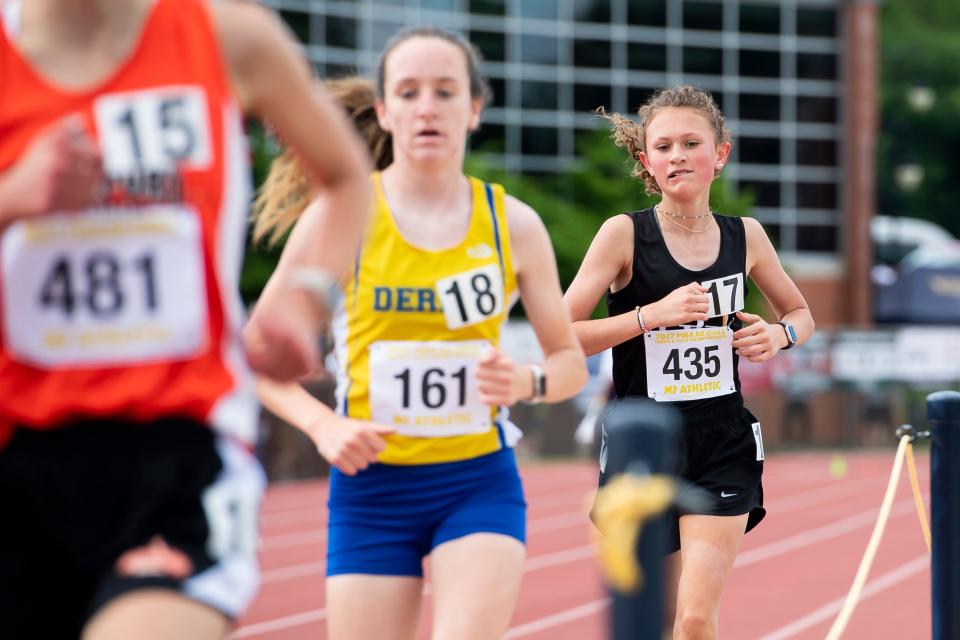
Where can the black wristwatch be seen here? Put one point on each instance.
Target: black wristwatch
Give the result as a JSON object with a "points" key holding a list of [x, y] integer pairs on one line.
{"points": [[791, 334]]}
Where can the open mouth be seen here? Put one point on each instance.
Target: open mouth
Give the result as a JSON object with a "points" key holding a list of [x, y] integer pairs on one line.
{"points": [[678, 173], [429, 133]]}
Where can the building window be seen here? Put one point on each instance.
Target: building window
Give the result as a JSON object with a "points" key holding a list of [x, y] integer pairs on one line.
{"points": [[488, 7], [637, 97], [539, 49], [587, 97], [540, 141], [498, 87], [759, 150], [762, 64], [817, 238], [759, 18], [705, 16], [759, 106], [491, 44], [299, 23], [816, 109], [773, 232], [817, 22], [817, 66], [539, 95], [646, 57], [591, 10], [703, 60], [765, 194], [489, 138], [592, 53], [817, 152], [341, 32], [647, 13], [816, 195]]}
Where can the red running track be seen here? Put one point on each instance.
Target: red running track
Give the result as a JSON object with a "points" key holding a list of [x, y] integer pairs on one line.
{"points": [[790, 579]]}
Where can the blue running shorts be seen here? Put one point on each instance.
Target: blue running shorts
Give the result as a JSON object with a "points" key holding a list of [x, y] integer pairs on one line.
{"points": [[387, 518]]}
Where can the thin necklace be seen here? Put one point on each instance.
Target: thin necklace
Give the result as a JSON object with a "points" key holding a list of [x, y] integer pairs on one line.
{"points": [[673, 218]]}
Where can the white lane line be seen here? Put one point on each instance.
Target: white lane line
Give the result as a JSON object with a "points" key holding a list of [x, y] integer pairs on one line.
{"points": [[819, 534], [583, 552], [829, 610], [296, 620], [562, 617]]}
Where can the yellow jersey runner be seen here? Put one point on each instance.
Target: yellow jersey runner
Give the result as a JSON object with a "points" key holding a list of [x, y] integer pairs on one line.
{"points": [[411, 326]]}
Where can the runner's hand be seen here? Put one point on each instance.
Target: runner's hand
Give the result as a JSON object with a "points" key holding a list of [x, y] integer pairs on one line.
{"points": [[349, 445], [502, 382], [60, 170], [758, 340], [683, 305]]}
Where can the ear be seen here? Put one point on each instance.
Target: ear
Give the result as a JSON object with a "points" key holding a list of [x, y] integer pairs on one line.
{"points": [[476, 109], [642, 157], [723, 154], [381, 110]]}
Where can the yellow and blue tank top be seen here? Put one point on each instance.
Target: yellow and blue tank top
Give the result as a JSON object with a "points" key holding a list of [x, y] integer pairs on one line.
{"points": [[410, 329]]}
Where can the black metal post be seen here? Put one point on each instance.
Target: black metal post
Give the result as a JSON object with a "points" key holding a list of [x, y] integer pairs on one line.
{"points": [[943, 414], [642, 438]]}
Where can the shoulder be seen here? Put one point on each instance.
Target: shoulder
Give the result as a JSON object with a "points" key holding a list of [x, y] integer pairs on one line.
{"points": [[242, 22], [754, 231], [521, 217], [251, 36]]}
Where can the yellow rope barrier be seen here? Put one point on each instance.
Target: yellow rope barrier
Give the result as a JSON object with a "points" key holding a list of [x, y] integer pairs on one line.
{"points": [[918, 497], [621, 509], [867, 562]]}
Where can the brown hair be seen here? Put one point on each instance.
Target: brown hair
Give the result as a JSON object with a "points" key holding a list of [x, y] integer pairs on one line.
{"points": [[286, 191], [479, 87], [632, 136]]}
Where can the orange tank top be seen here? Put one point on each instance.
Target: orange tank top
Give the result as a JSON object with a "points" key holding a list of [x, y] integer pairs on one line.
{"points": [[130, 309]]}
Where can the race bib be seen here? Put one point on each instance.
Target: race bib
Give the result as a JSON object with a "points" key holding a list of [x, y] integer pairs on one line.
{"points": [[104, 287], [689, 363], [471, 297], [154, 130], [427, 389], [725, 295]]}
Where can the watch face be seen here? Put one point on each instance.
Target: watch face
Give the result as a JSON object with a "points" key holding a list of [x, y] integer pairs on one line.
{"points": [[791, 333]]}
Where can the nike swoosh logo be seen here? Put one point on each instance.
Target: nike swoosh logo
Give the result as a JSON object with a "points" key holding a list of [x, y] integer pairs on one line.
{"points": [[724, 494]]}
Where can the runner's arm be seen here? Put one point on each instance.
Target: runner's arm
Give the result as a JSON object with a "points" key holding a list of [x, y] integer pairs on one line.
{"points": [[764, 267], [539, 284]]}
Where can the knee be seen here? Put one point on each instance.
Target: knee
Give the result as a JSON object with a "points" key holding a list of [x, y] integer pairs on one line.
{"points": [[693, 624]]}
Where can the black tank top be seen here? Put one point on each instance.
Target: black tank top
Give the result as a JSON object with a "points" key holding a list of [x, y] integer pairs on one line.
{"points": [[656, 274]]}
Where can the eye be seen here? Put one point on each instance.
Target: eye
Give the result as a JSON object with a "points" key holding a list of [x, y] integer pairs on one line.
{"points": [[662, 147], [445, 93], [693, 143], [408, 94]]}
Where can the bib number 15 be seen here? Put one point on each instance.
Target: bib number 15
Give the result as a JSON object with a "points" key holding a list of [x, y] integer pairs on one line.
{"points": [[154, 130]]}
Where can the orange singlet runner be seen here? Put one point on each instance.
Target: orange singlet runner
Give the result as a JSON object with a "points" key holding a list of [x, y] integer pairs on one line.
{"points": [[129, 310]]}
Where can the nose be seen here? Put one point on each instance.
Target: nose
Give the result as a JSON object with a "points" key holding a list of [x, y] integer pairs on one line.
{"points": [[427, 104], [677, 153]]}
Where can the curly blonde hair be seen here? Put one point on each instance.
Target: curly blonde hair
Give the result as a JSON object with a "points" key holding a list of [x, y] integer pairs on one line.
{"points": [[286, 191], [632, 136]]}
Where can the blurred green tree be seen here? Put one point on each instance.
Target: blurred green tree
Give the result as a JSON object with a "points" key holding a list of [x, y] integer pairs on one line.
{"points": [[919, 47]]}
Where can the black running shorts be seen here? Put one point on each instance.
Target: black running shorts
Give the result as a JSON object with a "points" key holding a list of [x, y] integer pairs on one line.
{"points": [[78, 499], [721, 461]]}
